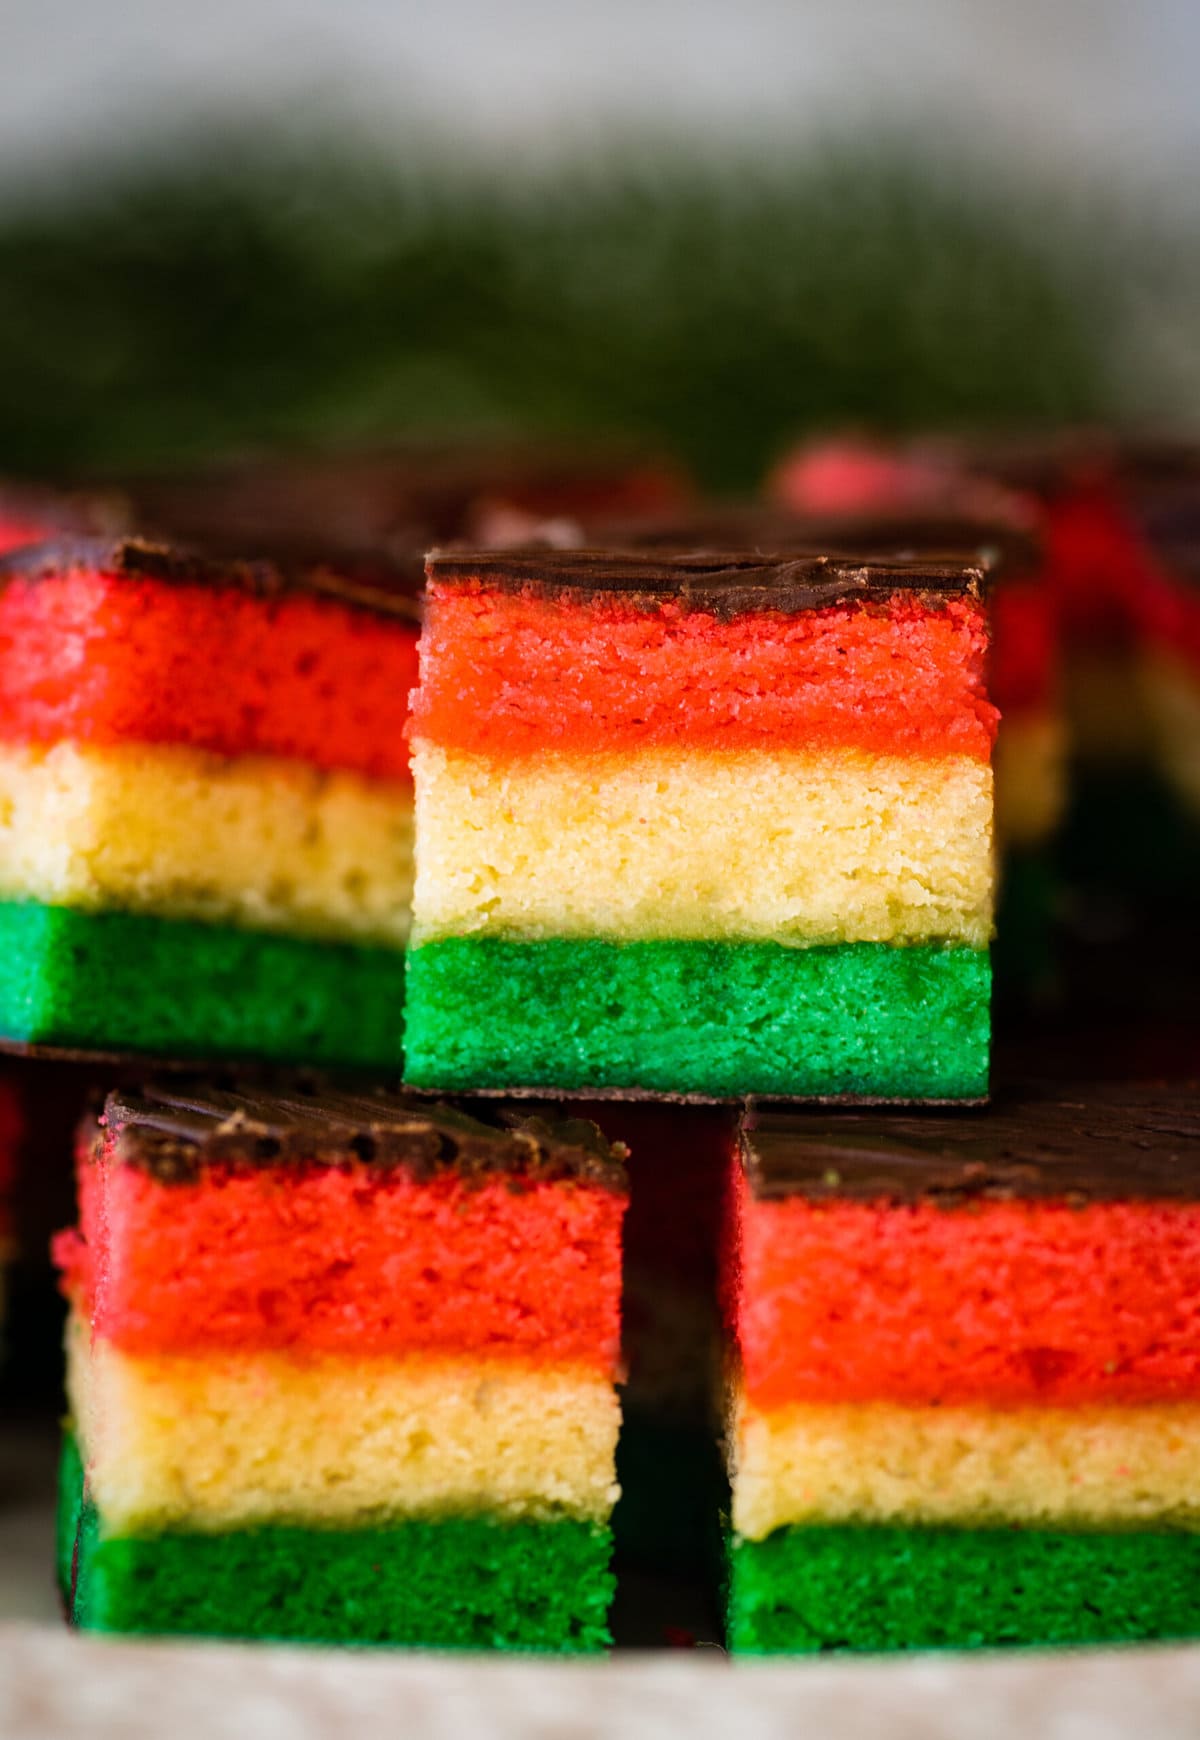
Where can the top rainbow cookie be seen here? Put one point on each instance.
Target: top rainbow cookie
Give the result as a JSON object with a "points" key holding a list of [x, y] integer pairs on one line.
{"points": [[701, 825]]}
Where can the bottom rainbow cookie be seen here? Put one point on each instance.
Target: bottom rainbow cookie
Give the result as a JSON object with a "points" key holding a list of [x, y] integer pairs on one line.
{"points": [[964, 1375], [341, 1369]]}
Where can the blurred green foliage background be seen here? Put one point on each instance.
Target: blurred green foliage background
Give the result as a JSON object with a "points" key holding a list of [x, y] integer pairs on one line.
{"points": [[258, 292]]}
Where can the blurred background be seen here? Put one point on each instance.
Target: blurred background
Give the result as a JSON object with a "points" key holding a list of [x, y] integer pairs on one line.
{"points": [[247, 222]]}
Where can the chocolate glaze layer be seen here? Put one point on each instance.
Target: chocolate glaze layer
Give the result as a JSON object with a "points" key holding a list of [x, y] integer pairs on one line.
{"points": [[1004, 547], [1081, 1145], [130, 558], [721, 582], [174, 1132]]}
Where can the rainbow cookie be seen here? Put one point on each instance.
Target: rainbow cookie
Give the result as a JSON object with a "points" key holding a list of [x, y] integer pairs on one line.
{"points": [[205, 806], [965, 1379], [700, 826], [342, 1369]]}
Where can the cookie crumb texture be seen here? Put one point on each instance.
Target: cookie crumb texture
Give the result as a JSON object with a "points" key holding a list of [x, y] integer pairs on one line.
{"points": [[116, 981], [719, 1019], [805, 1591], [103, 659], [897, 677], [458, 1583]]}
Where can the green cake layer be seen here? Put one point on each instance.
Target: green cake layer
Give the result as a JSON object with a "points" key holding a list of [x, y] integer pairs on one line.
{"points": [[124, 982], [804, 1590], [462, 1583], [709, 1018]]}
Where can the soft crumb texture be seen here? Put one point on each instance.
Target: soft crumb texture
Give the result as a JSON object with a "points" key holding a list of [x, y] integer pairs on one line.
{"points": [[876, 1462], [716, 1019], [180, 833], [212, 1443], [1030, 765], [1171, 694], [460, 1583], [806, 1590], [799, 846], [1000, 1302], [125, 982], [509, 674], [351, 1259], [99, 659]]}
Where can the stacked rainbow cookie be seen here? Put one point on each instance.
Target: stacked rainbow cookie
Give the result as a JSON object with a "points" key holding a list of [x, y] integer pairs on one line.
{"points": [[965, 1375], [341, 1368], [206, 835], [701, 825]]}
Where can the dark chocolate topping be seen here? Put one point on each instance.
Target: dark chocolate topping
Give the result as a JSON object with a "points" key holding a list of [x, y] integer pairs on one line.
{"points": [[724, 582], [132, 558], [173, 1134], [1004, 546], [1087, 1144]]}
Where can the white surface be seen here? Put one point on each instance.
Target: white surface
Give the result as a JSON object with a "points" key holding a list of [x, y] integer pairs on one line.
{"points": [[56, 1686]]}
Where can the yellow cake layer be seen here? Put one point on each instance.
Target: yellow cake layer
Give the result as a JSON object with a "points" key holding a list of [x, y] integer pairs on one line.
{"points": [[1030, 767], [820, 846], [208, 1444], [266, 844], [1171, 693], [1100, 1466]]}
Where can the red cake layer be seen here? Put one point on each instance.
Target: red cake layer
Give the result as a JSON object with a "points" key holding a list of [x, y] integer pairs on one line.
{"points": [[510, 674], [1001, 1302], [353, 1260], [100, 659]]}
